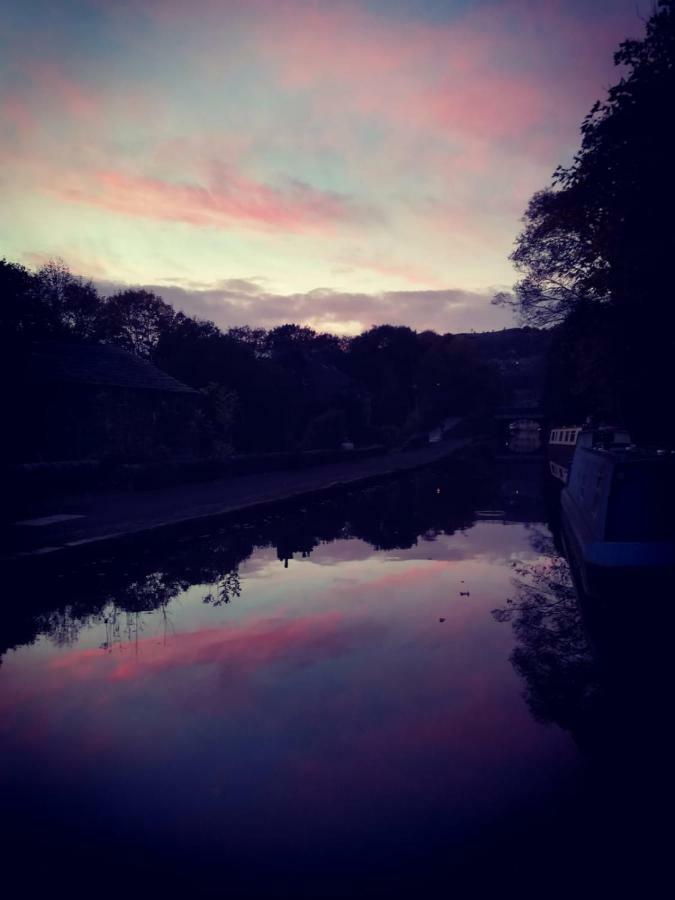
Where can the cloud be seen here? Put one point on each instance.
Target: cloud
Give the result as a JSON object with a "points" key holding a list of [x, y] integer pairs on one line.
{"points": [[397, 141], [246, 302], [229, 200]]}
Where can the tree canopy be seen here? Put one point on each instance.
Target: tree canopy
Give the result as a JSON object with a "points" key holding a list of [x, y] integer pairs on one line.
{"points": [[602, 235], [284, 389], [603, 231]]}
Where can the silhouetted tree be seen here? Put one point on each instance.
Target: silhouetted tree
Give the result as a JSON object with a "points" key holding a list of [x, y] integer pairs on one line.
{"points": [[285, 340], [603, 233], [134, 320], [21, 314], [72, 303], [255, 338], [285, 389], [384, 360], [580, 378], [328, 429], [199, 354]]}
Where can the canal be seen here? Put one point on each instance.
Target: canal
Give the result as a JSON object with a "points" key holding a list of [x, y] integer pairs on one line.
{"points": [[390, 691]]}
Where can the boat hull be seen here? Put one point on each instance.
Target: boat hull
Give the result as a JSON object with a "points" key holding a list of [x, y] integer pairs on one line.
{"points": [[613, 568]]}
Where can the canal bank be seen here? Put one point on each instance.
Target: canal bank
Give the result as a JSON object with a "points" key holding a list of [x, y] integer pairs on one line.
{"points": [[87, 524]]}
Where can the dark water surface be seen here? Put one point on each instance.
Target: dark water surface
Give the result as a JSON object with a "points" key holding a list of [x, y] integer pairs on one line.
{"points": [[390, 692]]}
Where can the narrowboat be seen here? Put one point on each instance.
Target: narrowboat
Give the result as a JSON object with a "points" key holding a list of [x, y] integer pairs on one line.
{"points": [[617, 511]]}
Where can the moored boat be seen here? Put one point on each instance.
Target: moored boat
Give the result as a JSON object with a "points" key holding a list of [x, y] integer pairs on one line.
{"points": [[617, 510]]}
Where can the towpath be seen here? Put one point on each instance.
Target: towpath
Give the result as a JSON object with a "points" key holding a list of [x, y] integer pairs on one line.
{"points": [[88, 522]]}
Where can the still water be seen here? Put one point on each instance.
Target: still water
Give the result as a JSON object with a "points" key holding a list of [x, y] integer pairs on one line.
{"points": [[389, 692]]}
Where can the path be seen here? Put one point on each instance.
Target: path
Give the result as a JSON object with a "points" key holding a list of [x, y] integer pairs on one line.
{"points": [[81, 522]]}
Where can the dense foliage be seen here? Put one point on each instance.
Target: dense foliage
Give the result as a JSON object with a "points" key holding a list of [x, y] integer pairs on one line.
{"points": [[597, 246], [287, 388]]}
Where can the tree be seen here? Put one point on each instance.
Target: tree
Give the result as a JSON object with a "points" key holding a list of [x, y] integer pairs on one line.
{"points": [[221, 407], [198, 353], [69, 305], [384, 360], [453, 380], [555, 254], [325, 430], [19, 315], [602, 235], [256, 338], [134, 320], [603, 232]]}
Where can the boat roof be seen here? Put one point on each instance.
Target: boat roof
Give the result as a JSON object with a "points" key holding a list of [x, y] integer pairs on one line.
{"points": [[631, 454]]}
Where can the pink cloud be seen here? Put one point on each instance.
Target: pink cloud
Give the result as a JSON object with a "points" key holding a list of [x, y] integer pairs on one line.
{"points": [[438, 79], [496, 72], [243, 648], [230, 200], [491, 71]]}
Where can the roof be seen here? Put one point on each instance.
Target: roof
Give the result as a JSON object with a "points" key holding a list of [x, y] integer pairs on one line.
{"points": [[98, 364]]}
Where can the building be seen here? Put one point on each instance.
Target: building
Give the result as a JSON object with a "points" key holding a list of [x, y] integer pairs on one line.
{"points": [[92, 401]]}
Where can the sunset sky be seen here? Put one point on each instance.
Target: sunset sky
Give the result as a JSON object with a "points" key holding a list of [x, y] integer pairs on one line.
{"points": [[260, 161]]}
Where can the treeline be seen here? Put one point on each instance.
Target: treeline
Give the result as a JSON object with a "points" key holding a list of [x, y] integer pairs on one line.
{"points": [[597, 249], [286, 388]]}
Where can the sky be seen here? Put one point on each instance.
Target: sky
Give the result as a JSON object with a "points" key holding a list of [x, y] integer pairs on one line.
{"points": [[338, 164]]}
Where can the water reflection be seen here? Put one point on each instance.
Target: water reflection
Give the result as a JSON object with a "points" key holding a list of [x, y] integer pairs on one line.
{"points": [[387, 516], [317, 702], [599, 667], [553, 653]]}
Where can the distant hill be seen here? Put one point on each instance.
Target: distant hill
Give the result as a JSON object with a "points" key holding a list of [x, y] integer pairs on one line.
{"points": [[519, 355], [511, 343]]}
